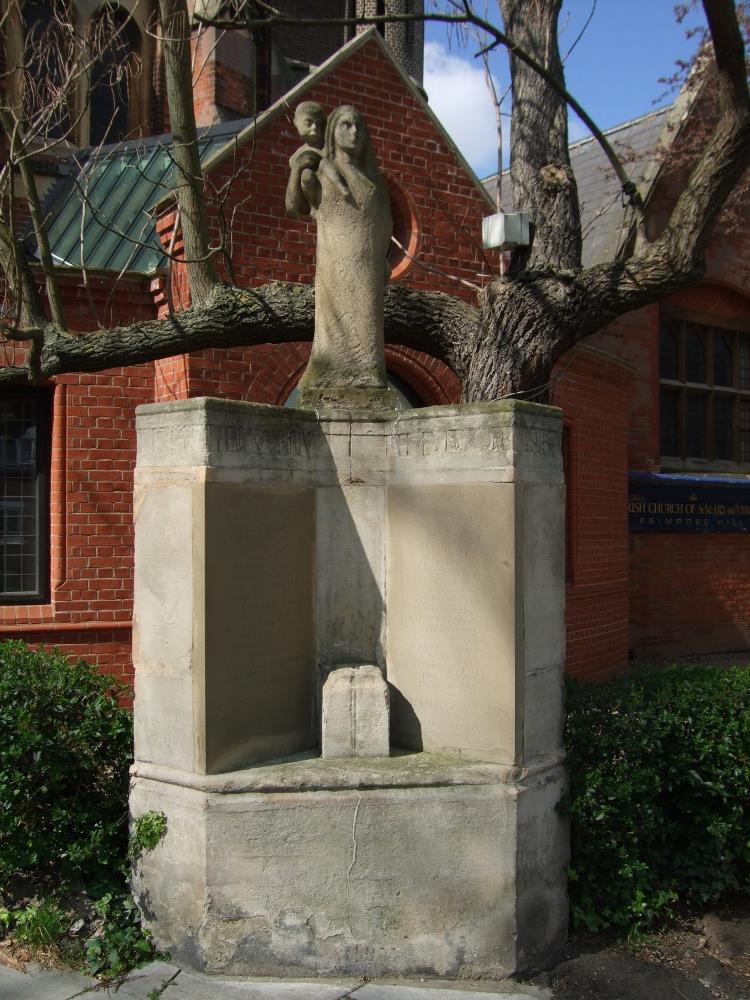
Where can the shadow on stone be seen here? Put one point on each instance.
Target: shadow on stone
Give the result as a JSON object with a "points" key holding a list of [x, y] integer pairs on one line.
{"points": [[404, 721]]}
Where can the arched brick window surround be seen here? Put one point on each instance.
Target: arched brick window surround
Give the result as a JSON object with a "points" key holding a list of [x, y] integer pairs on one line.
{"points": [[430, 380]]}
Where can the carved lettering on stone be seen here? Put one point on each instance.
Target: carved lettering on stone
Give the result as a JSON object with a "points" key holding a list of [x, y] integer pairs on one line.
{"points": [[456, 441]]}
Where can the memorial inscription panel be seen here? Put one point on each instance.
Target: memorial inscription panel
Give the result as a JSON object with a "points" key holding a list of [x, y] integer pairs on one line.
{"points": [[451, 618], [259, 645]]}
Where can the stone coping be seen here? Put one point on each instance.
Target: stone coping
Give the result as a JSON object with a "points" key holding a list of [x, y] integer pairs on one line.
{"points": [[283, 413], [308, 773], [217, 404], [480, 409]]}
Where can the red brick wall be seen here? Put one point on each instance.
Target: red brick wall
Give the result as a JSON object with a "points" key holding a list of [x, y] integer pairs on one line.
{"points": [[686, 594], [634, 338], [269, 372], [204, 77], [91, 493], [689, 593], [234, 91], [592, 388]]}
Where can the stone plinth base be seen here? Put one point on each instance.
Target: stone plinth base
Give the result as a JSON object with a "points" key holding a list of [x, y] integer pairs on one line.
{"points": [[420, 864], [348, 398], [276, 548], [355, 718]]}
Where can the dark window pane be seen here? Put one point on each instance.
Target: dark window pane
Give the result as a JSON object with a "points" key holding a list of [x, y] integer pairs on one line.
{"points": [[695, 426], [695, 353], [745, 431], [745, 361], [723, 343], [723, 406], [669, 418], [49, 53], [669, 351], [118, 41], [23, 514]]}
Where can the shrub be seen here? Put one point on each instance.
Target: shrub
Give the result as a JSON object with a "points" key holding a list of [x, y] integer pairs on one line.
{"points": [[659, 775], [64, 756]]}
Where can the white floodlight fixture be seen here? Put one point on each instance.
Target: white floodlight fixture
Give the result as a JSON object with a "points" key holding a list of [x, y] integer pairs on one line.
{"points": [[505, 231]]}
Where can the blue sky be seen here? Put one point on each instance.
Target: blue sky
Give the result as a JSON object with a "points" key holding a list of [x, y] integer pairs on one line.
{"points": [[613, 71]]}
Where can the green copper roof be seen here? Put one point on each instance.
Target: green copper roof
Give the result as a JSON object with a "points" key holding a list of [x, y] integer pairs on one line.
{"points": [[107, 196]]}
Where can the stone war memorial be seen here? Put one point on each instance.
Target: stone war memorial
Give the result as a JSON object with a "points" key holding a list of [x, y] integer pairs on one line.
{"points": [[349, 649]]}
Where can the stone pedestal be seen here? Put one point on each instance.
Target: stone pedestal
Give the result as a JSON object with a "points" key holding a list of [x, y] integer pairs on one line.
{"points": [[347, 397], [277, 548], [355, 721]]}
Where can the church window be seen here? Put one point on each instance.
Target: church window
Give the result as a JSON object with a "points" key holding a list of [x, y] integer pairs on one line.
{"points": [[24, 495], [705, 393], [113, 95]]}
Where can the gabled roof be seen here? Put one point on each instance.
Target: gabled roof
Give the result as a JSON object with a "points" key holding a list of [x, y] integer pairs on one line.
{"points": [[604, 218], [126, 185], [346, 52]]}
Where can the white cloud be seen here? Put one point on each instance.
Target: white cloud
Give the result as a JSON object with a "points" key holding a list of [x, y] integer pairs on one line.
{"points": [[459, 97]]}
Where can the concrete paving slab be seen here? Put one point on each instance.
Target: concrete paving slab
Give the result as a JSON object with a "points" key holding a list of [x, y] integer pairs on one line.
{"points": [[40, 984], [43, 984], [450, 991], [192, 986]]}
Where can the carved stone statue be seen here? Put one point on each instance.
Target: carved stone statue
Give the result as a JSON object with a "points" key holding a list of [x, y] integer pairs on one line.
{"points": [[343, 190]]}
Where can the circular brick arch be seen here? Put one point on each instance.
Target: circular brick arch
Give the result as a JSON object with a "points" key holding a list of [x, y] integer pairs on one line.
{"points": [[406, 229], [717, 297], [431, 381]]}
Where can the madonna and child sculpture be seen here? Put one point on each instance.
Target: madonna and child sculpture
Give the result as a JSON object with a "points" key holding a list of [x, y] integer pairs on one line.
{"points": [[335, 179]]}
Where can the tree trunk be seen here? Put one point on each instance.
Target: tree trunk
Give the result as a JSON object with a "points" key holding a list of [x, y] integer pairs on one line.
{"points": [[542, 179], [188, 175]]}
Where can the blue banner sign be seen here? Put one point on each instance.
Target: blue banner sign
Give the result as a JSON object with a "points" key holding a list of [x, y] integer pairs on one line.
{"points": [[660, 502]]}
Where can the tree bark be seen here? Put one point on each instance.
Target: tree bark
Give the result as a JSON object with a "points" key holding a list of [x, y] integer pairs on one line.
{"points": [[272, 314], [531, 320], [542, 179], [189, 177]]}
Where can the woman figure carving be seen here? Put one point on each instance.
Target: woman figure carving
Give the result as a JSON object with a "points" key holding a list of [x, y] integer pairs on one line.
{"points": [[351, 208]]}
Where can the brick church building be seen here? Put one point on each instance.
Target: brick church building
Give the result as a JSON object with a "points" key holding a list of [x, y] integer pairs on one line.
{"points": [[656, 407]]}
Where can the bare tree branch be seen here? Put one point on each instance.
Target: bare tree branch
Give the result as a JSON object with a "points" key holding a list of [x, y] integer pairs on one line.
{"points": [[677, 257], [14, 133], [20, 278], [274, 313], [524, 323]]}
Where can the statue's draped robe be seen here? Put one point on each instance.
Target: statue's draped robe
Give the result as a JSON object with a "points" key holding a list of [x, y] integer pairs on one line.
{"points": [[354, 233]]}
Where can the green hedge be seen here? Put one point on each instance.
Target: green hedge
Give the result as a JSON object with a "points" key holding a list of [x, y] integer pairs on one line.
{"points": [[659, 793], [65, 749]]}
